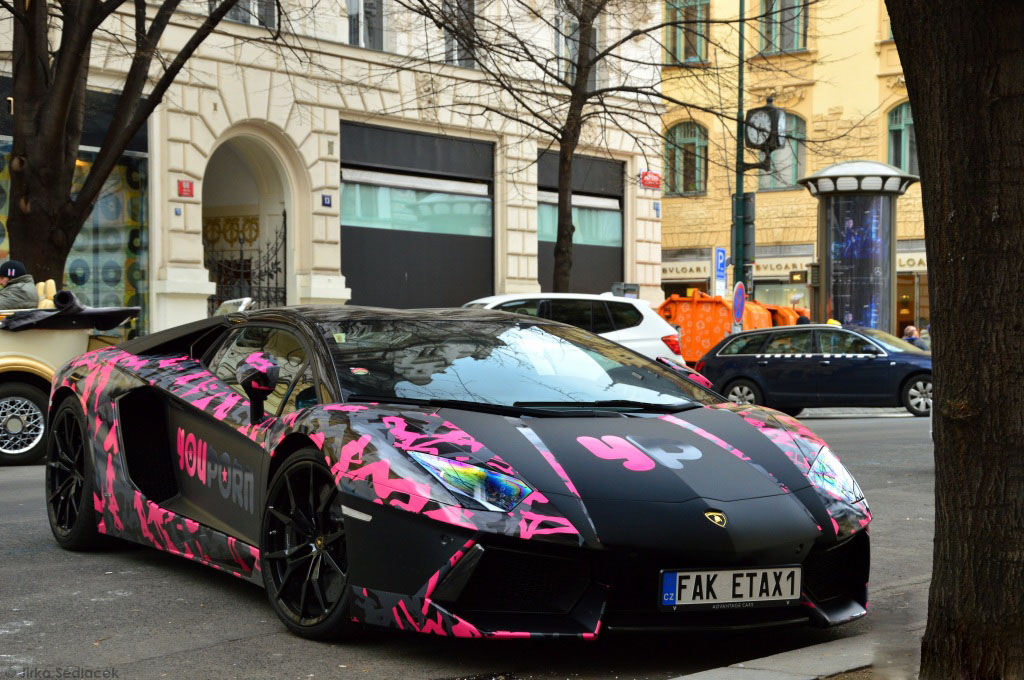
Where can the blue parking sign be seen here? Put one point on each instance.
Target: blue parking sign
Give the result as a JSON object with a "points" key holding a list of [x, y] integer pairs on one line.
{"points": [[720, 263]]}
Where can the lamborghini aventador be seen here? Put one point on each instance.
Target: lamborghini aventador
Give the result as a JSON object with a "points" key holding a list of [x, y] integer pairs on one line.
{"points": [[463, 472]]}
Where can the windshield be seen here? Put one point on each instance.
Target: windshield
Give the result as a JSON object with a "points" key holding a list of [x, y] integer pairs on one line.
{"points": [[890, 342], [499, 363]]}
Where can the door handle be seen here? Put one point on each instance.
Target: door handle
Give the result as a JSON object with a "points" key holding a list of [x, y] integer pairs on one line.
{"points": [[825, 362], [762, 363]]}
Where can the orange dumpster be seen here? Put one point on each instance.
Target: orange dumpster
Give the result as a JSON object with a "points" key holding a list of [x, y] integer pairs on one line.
{"points": [[782, 316], [705, 319]]}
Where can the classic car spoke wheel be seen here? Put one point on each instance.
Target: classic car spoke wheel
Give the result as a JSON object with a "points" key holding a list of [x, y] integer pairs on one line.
{"points": [[69, 480], [22, 423], [304, 556], [917, 395]]}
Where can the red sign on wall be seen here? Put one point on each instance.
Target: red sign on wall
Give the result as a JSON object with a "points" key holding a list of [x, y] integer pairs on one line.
{"points": [[185, 188], [649, 179]]}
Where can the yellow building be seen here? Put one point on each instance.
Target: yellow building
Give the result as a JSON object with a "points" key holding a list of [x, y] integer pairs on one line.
{"points": [[833, 67]]}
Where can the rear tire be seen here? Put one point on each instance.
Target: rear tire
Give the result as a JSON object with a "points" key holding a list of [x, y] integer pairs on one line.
{"points": [[303, 549], [743, 391], [917, 395], [70, 480], [22, 423]]}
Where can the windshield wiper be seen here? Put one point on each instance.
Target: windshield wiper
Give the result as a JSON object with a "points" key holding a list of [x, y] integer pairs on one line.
{"points": [[485, 407], [613, 403]]}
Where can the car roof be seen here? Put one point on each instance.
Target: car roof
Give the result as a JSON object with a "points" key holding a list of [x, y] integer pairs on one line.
{"points": [[327, 313], [803, 326], [558, 296]]}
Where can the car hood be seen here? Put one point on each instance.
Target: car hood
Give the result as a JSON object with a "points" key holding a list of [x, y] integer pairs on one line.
{"points": [[710, 453]]}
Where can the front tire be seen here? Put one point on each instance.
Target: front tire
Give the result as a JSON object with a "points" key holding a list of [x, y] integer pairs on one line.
{"points": [[303, 551], [70, 480], [744, 392], [917, 395], [22, 423]]}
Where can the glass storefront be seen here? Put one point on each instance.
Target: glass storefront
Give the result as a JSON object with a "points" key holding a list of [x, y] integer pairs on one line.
{"points": [[912, 308], [859, 256], [594, 226], [597, 252], [781, 293], [435, 212], [108, 262]]}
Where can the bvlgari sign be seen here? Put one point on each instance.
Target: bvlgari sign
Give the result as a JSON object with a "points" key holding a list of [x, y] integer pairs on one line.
{"points": [[779, 267], [678, 271], [911, 262]]}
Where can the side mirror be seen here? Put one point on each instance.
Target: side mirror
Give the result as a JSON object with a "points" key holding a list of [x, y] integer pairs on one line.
{"points": [[257, 374], [671, 363]]}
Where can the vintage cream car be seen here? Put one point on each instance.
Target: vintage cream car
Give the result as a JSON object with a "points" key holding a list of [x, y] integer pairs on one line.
{"points": [[28, 361]]}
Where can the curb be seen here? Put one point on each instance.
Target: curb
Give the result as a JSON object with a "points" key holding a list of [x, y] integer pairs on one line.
{"points": [[809, 663]]}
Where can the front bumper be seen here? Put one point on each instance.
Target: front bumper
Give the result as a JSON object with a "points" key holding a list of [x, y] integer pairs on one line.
{"points": [[504, 588]]}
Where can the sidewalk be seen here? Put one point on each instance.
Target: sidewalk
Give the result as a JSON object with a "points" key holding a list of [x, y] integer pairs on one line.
{"points": [[809, 663], [855, 412]]}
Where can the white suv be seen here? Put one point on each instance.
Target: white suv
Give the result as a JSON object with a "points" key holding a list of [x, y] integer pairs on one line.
{"points": [[627, 321]]}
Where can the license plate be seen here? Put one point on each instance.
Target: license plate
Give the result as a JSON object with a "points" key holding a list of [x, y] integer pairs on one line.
{"points": [[730, 588]]}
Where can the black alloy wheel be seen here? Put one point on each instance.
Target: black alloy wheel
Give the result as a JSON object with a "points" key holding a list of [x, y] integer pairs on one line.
{"points": [[69, 479], [303, 552]]}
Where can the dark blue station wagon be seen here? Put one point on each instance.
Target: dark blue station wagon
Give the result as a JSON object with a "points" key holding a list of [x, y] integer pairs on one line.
{"points": [[795, 367]]}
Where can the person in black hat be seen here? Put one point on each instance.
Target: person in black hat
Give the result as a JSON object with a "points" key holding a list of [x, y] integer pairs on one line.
{"points": [[19, 290]]}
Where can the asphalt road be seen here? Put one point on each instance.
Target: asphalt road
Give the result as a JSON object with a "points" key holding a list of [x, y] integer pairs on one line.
{"points": [[143, 614]]}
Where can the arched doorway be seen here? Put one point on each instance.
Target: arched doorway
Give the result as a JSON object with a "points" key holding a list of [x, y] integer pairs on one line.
{"points": [[246, 198]]}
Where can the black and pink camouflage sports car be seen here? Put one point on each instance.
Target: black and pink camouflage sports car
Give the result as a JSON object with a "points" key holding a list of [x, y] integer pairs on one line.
{"points": [[463, 472]]}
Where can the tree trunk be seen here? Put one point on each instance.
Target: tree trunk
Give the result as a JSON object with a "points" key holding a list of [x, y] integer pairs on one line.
{"points": [[563, 238], [964, 67], [42, 222]]}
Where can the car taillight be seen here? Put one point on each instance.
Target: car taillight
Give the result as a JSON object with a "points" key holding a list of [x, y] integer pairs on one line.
{"points": [[700, 366], [672, 342]]}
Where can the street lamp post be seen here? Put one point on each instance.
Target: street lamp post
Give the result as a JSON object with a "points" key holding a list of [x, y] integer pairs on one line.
{"points": [[737, 227], [761, 129]]}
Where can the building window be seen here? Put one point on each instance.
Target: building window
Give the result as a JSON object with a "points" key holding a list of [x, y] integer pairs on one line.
{"points": [[787, 162], [687, 39], [252, 12], [462, 15], [366, 23], [686, 159], [597, 221], [567, 47], [783, 25], [379, 200], [902, 143]]}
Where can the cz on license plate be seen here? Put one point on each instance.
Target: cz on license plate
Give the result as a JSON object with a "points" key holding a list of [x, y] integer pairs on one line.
{"points": [[729, 588]]}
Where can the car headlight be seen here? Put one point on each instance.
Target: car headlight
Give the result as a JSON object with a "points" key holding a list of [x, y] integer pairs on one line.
{"points": [[483, 488], [830, 476]]}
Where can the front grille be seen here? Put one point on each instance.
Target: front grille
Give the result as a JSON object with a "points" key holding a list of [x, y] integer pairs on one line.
{"points": [[839, 570], [525, 582]]}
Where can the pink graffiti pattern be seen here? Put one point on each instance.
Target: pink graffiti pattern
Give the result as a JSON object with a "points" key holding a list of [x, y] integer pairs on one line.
{"points": [[802, 446], [616, 448]]}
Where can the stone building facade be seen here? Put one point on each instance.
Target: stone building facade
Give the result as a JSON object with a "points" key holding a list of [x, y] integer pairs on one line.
{"points": [[242, 179]]}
